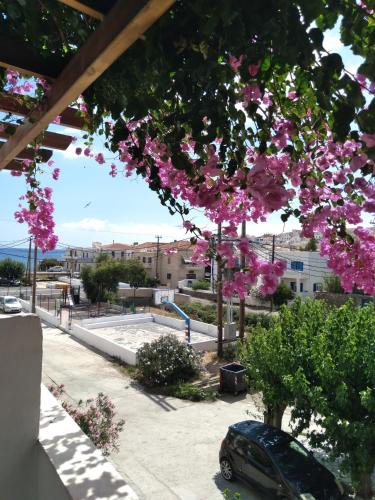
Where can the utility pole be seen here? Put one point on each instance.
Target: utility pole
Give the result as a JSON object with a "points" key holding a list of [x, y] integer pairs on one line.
{"points": [[272, 260], [33, 298], [158, 238], [241, 325], [219, 290], [28, 265]]}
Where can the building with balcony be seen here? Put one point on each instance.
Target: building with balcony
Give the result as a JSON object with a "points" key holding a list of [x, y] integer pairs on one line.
{"points": [[167, 262]]}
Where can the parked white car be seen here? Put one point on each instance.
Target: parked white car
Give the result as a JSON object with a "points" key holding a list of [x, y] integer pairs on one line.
{"points": [[9, 304], [56, 269]]}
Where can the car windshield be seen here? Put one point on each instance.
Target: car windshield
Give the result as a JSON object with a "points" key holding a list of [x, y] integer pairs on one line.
{"points": [[11, 300], [291, 457]]}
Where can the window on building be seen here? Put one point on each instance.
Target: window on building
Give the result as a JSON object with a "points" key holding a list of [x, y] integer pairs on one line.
{"points": [[149, 260], [169, 260], [122, 254], [113, 254], [169, 276], [317, 287], [293, 286], [143, 259], [296, 265], [301, 287]]}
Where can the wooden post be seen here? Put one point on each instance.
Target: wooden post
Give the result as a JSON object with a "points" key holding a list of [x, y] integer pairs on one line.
{"points": [[33, 298], [272, 260], [219, 289], [241, 326]]}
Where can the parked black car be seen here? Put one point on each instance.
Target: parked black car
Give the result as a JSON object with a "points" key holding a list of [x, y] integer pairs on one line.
{"points": [[277, 463]]}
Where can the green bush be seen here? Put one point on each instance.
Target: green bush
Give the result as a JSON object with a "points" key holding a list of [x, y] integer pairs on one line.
{"points": [[167, 361], [191, 392], [201, 285]]}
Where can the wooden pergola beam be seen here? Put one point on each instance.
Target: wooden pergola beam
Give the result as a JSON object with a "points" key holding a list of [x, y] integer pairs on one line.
{"points": [[50, 139], [124, 24], [29, 153], [15, 104], [85, 9]]}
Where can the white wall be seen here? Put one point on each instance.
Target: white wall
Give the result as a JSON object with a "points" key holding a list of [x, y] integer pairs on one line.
{"points": [[104, 345], [177, 324], [42, 313], [206, 328], [82, 469], [20, 377]]}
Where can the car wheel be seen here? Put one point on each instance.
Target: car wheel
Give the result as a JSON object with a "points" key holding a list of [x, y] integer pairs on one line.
{"points": [[226, 469]]}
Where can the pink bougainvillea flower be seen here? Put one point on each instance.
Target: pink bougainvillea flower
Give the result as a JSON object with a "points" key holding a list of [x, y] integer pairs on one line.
{"points": [[253, 69], [235, 63]]}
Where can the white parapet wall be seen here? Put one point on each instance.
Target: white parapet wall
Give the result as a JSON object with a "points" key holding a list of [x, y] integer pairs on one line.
{"points": [[177, 324], [104, 345], [83, 470], [206, 328], [42, 313], [126, 319]]}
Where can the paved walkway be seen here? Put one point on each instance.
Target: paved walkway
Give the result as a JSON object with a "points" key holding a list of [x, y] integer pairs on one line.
{"points": [[169, 447]]}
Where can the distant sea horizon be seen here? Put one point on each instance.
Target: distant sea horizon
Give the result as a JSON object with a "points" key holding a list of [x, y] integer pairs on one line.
{"points": [[21, 255]]}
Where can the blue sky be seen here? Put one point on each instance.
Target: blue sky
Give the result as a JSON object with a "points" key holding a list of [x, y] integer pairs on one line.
{"points": [[120, 209]]}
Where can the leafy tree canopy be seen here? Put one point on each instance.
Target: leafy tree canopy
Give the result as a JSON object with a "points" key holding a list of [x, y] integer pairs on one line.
{"points": [[11, 269]]}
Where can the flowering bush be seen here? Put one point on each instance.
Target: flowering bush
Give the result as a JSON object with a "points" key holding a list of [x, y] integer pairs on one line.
{"points": [[96, 419], [167, 361]]}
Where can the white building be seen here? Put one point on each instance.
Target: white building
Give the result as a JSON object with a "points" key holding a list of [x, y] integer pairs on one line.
{"points": [[305, 271]]}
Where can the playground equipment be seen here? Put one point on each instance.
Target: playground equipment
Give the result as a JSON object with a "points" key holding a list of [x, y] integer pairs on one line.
{"points": [[181, 313]]}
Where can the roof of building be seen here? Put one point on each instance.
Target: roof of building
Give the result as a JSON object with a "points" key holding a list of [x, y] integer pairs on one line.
{"points": [[178, 245]]}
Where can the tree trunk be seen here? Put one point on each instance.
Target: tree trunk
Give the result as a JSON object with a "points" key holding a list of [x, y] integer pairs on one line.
{"points": [[365, 485], [274, 415]]}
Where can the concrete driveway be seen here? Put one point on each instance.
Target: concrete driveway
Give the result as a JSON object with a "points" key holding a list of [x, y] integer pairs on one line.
{"points": [[169, 447]]}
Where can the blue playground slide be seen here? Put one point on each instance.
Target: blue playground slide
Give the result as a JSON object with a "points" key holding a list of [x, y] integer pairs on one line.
{"points": [[184, 316]]}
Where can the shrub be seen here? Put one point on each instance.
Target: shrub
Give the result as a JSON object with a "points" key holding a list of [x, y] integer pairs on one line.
{"points": [[95, 417], [167, 361], [282, 295], [191, 392], [230, 352], [201, 285]]}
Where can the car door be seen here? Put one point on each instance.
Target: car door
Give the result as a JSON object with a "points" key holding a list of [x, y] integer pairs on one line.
{"points": [[259, 468], [237, 448]]}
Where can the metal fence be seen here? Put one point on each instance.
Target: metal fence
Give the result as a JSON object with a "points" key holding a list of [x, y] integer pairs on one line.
{"points": [[120, 306]]}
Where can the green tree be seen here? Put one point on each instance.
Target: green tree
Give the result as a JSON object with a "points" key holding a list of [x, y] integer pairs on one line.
{"points": [[101, 258], [282, 295], [134, 272], [101, 281], [11, 269], [332, 284], [45, 264], [340, 392], [276, 355], [311, 245]]}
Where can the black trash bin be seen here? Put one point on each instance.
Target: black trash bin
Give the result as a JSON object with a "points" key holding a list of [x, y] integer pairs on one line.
{"points": [[232, 378]]}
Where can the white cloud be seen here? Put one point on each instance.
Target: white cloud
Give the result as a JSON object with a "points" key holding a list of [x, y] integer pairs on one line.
{"points": [[125, 232]]}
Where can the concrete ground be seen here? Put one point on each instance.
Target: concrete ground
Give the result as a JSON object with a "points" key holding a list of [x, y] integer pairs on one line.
{"points": [[134, 336], [169, 447]]}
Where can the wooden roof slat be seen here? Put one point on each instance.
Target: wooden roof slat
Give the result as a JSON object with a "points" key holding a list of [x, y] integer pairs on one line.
{"points": [[125, 23], [21, 57], [14, 165], [85, 9], [13, 104], [50, 139], [29, 153]]}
